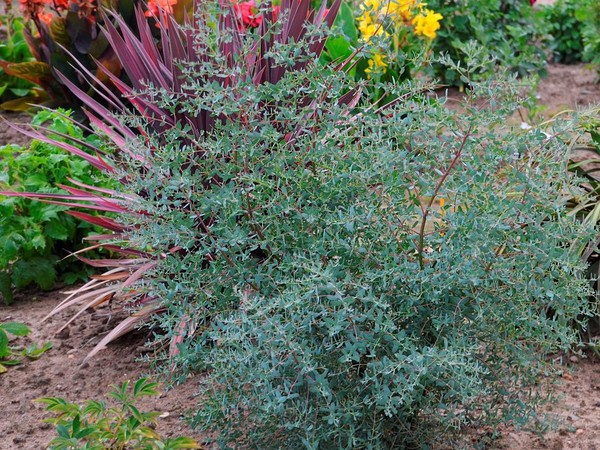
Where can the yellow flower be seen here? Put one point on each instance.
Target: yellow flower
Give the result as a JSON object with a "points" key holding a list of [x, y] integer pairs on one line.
{"points": [[401, 10], [427, 23], [376, 64], [370, 6], [369, 28]]}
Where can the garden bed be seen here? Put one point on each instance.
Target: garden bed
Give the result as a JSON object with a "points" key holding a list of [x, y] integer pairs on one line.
{"points": [[60, 371]]}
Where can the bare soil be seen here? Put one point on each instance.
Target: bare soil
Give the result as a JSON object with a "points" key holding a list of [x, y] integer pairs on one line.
{"points": [[568, 87], [9, 135], [60, 371]]}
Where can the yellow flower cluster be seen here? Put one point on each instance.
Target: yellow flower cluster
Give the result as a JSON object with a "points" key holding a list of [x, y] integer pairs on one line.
{"points": [[377, 15], [426, 23]]}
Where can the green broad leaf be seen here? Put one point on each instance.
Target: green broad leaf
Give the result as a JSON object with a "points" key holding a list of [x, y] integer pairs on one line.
{"points": [[34, 352], [81, 434], [3, 88], [4, 348], [70, 278], [98, 46], [39, 242], [63, 431], [58, 31], [338, 48], [23, 103], [39, 270], [47, 212], [145, 387], [53, 403], [34, 71], [56, 230], [15, 328], [95, 408], [76, 425], [10, 245], [345, 21], [35, 181]]}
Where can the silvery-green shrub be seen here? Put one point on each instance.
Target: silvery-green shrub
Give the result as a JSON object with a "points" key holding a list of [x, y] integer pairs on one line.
{"points": [[353, 276], [336, 303]]}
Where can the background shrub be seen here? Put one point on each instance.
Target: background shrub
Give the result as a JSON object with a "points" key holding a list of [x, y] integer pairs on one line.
{"points": [[394, 37], [584, 160], [588, 13], [508, 29], [564, 24]]}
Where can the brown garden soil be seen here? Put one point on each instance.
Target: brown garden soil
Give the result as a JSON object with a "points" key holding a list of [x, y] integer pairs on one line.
{"points": [[60, 371]]}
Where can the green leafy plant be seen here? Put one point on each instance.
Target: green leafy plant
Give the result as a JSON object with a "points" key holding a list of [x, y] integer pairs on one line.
{"points": [[564, 24], [510, 30], [6, 351], [588, 13], [13, 48], [95, 425], [35, 237]]}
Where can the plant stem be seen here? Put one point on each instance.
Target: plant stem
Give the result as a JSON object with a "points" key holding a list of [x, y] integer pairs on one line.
{"points": [[436, 191]]}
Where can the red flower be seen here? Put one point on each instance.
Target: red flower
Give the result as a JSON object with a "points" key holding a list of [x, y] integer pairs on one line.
{"points": [[249, 13], [531, 2]]}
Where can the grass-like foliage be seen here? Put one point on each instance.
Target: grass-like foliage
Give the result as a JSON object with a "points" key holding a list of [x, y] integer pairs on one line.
{"points": [[97, 425]]}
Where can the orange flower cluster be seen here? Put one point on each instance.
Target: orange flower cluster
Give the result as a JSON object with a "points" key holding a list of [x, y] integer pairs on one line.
{"points": [[155, 5], [44, 10]]}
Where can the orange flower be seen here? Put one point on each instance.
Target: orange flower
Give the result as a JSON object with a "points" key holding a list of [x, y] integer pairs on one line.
{"points": [[155, 5], [31, 8], [46, 17]]}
